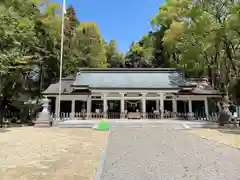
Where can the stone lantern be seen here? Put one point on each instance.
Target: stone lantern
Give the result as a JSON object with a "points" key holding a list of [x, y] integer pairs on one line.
{"points": [[44, 118]]}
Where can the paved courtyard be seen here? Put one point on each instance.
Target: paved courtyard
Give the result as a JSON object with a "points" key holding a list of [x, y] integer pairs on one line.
{"points": [[167, 152]]}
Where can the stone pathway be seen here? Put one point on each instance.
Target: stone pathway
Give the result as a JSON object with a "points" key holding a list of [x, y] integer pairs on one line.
{"points": [[166, 152], [91, 123]]}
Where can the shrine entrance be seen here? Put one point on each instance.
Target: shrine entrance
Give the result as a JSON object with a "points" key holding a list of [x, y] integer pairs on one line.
{"points": [[114, 109], [133, 105]]}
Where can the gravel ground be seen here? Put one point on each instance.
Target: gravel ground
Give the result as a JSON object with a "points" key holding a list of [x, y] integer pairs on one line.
{"points": [[165, 153], [50, 153]]}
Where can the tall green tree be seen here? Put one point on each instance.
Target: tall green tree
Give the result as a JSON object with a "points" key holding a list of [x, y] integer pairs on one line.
{"points": [[141, 54], [88, 48], [71, 22], [202, 38], [161, 56], [94, 50], [17, 38], [115, 59], [47, 48]]}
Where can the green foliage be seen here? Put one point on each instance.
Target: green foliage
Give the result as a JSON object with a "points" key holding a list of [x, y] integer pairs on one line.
{"points": [[202, 37], [30, 33], [115, 59], [71, 22], [86, 49], [17, 38], [141, 54]]}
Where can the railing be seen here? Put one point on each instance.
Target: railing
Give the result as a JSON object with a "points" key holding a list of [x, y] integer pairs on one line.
{"points": [[137, 115], [10, 118], [115, 115]]}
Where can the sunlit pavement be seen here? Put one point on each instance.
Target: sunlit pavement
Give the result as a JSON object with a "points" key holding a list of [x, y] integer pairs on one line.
{"points": [[142, 122], [164, 153]]}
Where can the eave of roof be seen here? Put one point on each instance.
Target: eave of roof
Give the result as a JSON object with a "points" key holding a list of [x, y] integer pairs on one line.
{"points": [[120, 88], [202, 94], [69, 78], [133, 88], [125, 70], [69, 93]]}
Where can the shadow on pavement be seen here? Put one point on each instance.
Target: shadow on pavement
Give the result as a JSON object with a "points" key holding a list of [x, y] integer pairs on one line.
{"points": [[230, 131], [3, 130]]}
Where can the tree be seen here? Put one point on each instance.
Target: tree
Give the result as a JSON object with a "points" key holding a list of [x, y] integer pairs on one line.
{"points": [[202, 39], [47, 48], [94, 50], [134, 57], [87, 48], [71, 22], [161, 57], [17, 38], [141, 54], [114, 58], [30, 47]]}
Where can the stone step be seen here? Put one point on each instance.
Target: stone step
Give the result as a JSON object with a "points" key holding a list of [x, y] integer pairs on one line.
{"points": [[76, 124], [42, 125]]}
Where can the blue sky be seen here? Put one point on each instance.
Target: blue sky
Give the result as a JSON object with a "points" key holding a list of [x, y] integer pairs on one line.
{"points": [[123, 20]]}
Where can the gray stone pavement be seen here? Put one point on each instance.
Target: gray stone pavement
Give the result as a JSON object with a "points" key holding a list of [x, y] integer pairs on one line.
{"points": [[91, 123], [167, 152]]}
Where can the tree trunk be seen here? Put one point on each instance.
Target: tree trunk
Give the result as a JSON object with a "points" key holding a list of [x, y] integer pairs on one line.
{"points": [[230, 55]]}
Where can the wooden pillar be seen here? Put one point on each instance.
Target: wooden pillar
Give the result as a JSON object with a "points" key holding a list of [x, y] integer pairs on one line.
{"points": [[122, 105], [190, 106], [57, 109], [144, 105], [190, 114], [162, 105], [174, 106], [157, 105], [206, 108], [73, 109], [105, 105], [89, 105]]}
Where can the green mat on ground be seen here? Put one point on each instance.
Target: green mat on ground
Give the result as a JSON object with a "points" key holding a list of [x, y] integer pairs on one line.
{"points": [[103, 125]]}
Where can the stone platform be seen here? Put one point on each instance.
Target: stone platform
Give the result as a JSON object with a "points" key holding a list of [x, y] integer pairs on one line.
{"points": [[91, 123], [77, 124]]}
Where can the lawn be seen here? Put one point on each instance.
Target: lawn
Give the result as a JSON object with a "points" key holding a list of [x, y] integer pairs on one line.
{"points": [[225, 136], [30, 153]]}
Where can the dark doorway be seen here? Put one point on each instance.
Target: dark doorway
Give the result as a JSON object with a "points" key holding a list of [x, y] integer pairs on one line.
{"points": [[80, 106], [150, 106], [65, 108], [198, 108], [97, 104], [133, 105], [168, 106], [80, 109], [114, 109], [182, 106]]}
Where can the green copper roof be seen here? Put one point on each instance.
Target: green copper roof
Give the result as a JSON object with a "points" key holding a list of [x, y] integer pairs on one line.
{"points": [[130, 78]]}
